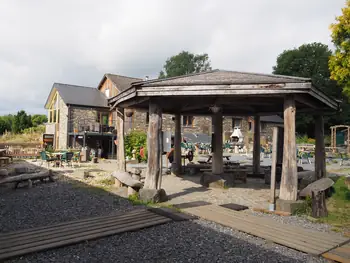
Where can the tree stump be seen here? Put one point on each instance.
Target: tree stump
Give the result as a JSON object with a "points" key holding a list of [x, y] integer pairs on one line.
{"points": [[319, 208]]}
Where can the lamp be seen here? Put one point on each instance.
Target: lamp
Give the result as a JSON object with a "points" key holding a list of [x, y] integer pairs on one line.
{"points": [[215, 109]]}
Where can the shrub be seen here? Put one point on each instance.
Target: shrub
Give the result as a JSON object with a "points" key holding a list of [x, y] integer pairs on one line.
{"points": [[134, 141], [304, 140]]}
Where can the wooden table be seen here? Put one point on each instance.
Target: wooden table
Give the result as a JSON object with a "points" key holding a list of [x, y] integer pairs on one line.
{"points": [[224, 156]]}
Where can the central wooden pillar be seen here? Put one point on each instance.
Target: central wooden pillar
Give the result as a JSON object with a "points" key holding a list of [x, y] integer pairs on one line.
{"points": [[289, 181], [177, 146], [120, 141], [320, 153], [154, 147], [218, 162], [256, 146]]}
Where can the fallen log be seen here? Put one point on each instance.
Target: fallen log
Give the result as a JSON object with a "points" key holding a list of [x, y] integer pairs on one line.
{"points": [[28, 178]]}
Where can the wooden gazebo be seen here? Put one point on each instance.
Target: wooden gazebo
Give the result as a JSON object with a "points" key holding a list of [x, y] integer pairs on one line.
{"points": [[225, 93]]}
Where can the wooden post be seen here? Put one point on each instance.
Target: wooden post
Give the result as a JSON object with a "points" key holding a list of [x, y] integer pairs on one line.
{"points": [[320, 154], [289, 181], [120, 139], [256, 146], [348, 140], [177, 146], [153, 146], [319, 208], [218, 162], [280, 146], [273, 168]]}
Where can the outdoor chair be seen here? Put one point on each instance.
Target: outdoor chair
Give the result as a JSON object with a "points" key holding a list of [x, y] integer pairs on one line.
{"points": [[343, 158], [46, 158], [76, 158], [67, 158]]}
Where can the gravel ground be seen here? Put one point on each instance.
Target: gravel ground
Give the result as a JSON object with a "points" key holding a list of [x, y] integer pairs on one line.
{"points": [[49, 203], [190, 241]]}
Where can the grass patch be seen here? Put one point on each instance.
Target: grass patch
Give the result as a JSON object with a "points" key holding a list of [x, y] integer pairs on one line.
{"points": [[134, 198], [106, 181], [339, 206], [305, 208]]}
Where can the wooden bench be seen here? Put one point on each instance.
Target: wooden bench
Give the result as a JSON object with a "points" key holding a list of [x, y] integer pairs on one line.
{"points": [[4, 161]]}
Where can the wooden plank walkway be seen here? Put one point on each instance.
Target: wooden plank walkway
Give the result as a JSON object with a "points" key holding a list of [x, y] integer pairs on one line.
{"points": [[339, 254], [19, 243], [298, 238]]}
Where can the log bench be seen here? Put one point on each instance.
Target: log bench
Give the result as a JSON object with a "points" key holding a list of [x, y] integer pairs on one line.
{"points": [[29, 178]]}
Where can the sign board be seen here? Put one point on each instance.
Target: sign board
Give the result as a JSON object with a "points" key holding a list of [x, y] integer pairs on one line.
{"points": [[166, 141], [48, 139]]}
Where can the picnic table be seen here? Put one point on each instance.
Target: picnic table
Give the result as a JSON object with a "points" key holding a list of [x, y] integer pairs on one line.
{"points": [[210, 156]]}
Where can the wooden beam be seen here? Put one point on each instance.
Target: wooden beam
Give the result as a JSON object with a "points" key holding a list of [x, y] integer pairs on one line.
{"points": [[280, 145], [218, 162], [273, 167], [130, 103], [256, 146], [308, 101], [320, 154], [154, 146], [289, 181], [177, 146], [120, 140]]}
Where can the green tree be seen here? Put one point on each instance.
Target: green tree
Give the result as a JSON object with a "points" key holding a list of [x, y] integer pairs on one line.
{"points": [[339, 63], [21, 121], [38, 119], [311, 61], [185, 63]]}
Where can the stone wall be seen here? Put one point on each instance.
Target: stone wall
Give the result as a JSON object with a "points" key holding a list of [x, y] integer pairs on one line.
{"points": [[200, 124], [83, 117], [62, 133]]}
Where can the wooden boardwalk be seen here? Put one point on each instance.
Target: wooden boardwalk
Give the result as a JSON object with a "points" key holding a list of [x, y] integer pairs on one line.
{"points": [[37, 239], [339, 254], [298, 238]]}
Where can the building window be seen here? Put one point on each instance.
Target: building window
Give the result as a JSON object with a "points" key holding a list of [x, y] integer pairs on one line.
{"points": [[263, 126], [236, 123], [250, 126], [187, 120], [107, 92]]}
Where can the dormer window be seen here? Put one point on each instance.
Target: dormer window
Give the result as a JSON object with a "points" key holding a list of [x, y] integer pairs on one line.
{"points": [[107, 92]]}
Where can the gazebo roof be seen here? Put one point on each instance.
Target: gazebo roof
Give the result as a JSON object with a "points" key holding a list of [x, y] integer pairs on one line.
{"points": [[237, 93]]}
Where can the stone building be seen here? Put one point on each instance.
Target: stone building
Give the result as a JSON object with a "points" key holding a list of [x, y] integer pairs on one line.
{"points": [[79, 116]]}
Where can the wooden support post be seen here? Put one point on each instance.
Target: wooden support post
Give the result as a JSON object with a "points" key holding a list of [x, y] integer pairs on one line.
{"points": [[289, 181], [280, 146], [177, 146], [120, 138], [153, 146], [348, 140], [273, 168], [319, 208], [320, 154], [256, 146], [218, 162]]}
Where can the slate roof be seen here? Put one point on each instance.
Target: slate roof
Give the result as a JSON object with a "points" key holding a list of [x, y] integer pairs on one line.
{"points": [[121, 82], [225, 78], [78, 95]]}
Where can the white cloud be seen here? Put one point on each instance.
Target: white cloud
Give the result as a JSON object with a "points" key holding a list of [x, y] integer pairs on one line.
{"points": [[76, 42]]}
